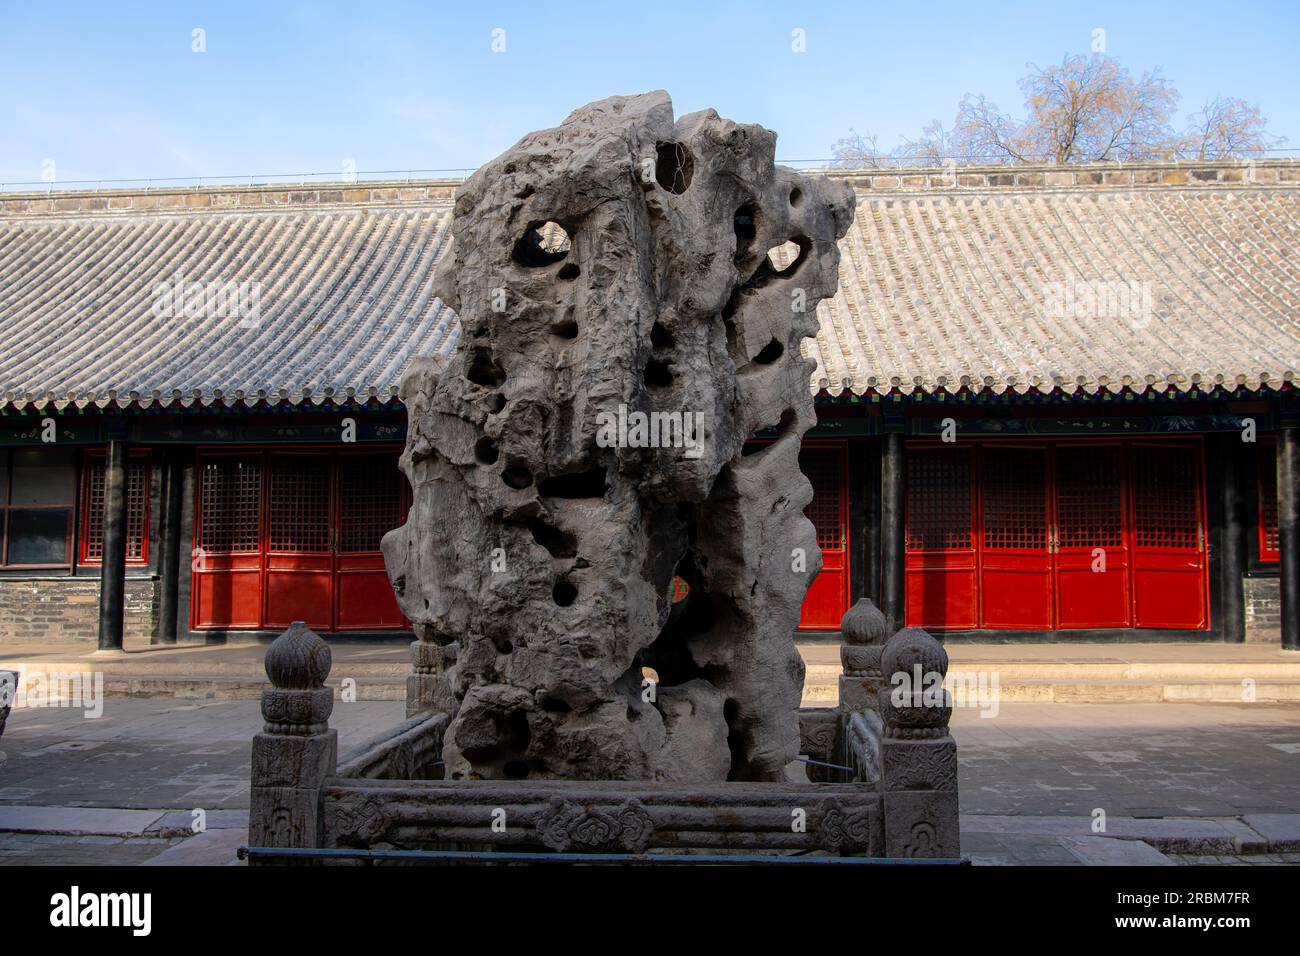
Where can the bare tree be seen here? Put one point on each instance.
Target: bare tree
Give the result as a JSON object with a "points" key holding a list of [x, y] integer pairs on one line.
{"points": [[856, 151], [1083, 110], [1087, 109], [931, 148], [1226, 127]]}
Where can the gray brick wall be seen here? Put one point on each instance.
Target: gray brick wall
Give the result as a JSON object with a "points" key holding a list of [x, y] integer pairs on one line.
{"points": [[1263, 610], [63, 609]]}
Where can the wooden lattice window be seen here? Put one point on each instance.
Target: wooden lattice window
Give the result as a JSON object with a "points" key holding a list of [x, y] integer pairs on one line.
{"points": [[230, 518], [137, 508], [370, 501], [939, 499], [1089, 496], [1015, 499], [1269, 546], [1165, 489], [300, 504], [825, 511]]}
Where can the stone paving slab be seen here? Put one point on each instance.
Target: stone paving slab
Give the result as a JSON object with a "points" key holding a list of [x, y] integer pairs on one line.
{"points": [[1282, 830], [1181, 835], [181, 822], [1130, 760], [33, 849], [1105, 851], [77, 820], [210, 848]]}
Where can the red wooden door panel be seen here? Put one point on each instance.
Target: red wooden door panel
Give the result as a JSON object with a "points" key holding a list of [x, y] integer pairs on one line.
{"points": [[1270, 544], [1169, 563], [1015, 561], [226, 585], [370, 494], [941, 559], [299, 550], [828, 596], [1092, 555]]}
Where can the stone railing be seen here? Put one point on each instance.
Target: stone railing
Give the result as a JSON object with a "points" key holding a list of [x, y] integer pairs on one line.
{"points": [[882, 776]]}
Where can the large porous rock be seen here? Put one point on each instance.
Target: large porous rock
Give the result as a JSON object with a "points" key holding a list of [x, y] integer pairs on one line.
{"points": [[632, 291]]}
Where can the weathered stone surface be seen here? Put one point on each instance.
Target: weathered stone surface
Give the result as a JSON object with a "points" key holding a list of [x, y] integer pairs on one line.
{"points": [[863, 629], [296, 751], [623, 264]]}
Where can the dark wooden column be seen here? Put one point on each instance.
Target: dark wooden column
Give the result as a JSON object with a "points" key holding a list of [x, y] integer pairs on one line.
{"points": [[169, 551], [1233, 551], [891, 531], [1288, 531], [112, 574]]}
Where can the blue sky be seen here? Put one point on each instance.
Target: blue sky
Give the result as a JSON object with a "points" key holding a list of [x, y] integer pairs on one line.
{"points": [[113, 90]]}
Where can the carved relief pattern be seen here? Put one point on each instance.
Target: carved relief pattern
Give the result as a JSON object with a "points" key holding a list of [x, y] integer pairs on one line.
{"points": [[358, 824], [924, 767], [565, 825], [846, 830]]}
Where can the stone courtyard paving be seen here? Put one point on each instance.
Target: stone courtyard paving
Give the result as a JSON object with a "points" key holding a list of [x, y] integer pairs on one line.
{"points": [[1031, 778]]}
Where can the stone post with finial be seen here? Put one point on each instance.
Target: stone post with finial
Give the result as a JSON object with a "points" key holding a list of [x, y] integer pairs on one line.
{"points": [[863, 631], [296, 750], [918, 756]]}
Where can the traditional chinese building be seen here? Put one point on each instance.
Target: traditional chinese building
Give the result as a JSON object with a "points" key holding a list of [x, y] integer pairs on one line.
{"points": [[1055, 403]]}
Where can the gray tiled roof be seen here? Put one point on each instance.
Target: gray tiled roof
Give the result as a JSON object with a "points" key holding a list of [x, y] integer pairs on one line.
{"points": [[948, 278], [345, 301]]}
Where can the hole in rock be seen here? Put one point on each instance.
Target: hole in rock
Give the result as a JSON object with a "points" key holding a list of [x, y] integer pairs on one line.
{"points": [[796, 196], [784, 256], [519, 732], [566, 329], [660, 338], [580, 484], [517, 477], [542, 244], [553, 705], [496, 403], [746, 229], [674, 167], [658, 374], [486, 451], [569, 271], [515, 770], [503, 645], [559, 544], [563, 592], [772, 351], [485, 370]]}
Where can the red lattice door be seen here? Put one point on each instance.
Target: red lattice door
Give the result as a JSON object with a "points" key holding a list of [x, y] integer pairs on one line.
{"points": [[226, 584], [299, 541], [1015, 557], [1091, 539], [824, 466], [1169, 555], [1270, 545], [371, 503], [941, 561]]}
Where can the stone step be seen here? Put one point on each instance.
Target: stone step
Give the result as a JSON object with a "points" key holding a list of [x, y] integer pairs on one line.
{"points": [[236, 688], [1024, 682]]}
